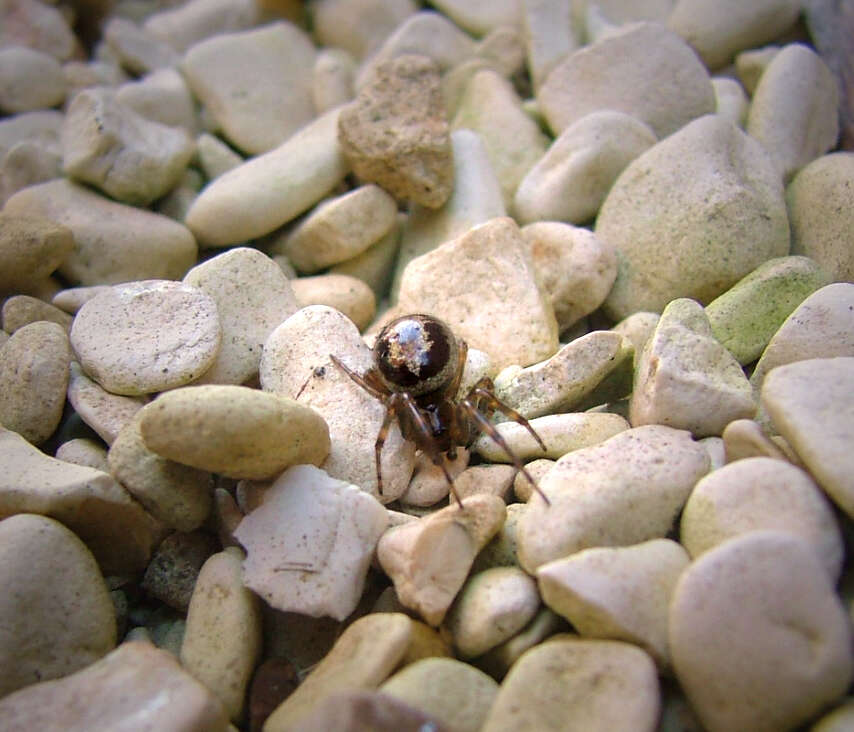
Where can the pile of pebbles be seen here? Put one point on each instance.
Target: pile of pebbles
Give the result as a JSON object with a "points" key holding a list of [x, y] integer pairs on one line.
{"points": [[638, 217]]}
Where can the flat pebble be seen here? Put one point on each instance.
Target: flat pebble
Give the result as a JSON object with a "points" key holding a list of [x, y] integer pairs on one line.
{"points": [[181, 26], [252, 297], [571, 683], [113, 242], [31, 248], [21, 310], [135, 682], [453, 692], [147, 336], [621, 593], [104, 412], [222, 642], [428, 560], [296, 362], [33, 380], [233, 430], [766, 597], [71, 299], [809, 403], [761, 493], [349, 295], [29, 80], [626, 490], [83, 451], [310, 543], [691, 216], [642, 69]]}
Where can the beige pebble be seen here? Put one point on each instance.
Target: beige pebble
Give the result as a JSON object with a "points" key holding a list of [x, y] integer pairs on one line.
{"points": [[21, 310], [429, 485], [181, 26], [215, 156], [269, 190], [745, 438], [560, 382], [43, 27], [161, 96], [252, 296], [31, 248], [339, 229], [482, 16], [761, 493], [626, 490], [147, 336], [570, 683], [619, 593], [29, 80], [375, 265], [498, 661], [751, 64], [26, 164], [359, 26], [428, 560], [491, 607], [637, 328], [642, 69], [571, 180], [222, 642], [794, 108], [496, 480], [137, 50], [765, 597], [33, 380], [456, 80], [332, 79], [364, 656], [686, 379], [310, 543], [104, 412], [537, 469], [85, 452], [731, 100], [41, 128], [113, 242], [233, 430], [71, 299], [837, 720], [809, 403], [135, 682], [500, 550], [56, 614], [344, 293], [296, 362], [691, 216], [486, 273], [453, 692], [549, 36], [504, 49]]}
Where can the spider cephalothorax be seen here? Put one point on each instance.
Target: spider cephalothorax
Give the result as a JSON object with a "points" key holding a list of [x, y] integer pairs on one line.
{"points": [[418, 366]]}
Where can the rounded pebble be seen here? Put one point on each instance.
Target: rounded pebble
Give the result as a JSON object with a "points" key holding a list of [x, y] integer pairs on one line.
{"points": [[31, 248], [346, 294]]}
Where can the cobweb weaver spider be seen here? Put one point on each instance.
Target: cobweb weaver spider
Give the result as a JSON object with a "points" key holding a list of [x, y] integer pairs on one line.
{"points": [[418, 366]]}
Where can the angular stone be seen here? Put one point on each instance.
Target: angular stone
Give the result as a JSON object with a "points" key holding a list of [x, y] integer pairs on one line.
{"points": [[104, 412]]}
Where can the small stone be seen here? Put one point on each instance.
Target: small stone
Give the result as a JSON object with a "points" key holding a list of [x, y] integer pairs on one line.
{"points": [[745, 438], [38, 26], [135, 682], [571, 683], [495, 480], [82, 451], [56, 614], [344, 293], [549, 36], [161, 96], [686, 379], [269, 190], [503, 48], [174, 569], [358, 26], [310, 543], [362, 658], [642, 69], [252, 297], [256, 84], [33, 380], [181, 26], [332, 79], [691, 216], [821, 216], [137, 50], [27, 164], [104, 412], [30, 250], [428, 560], [29, 80], [234, 430], [215, 156], [491, 607], [766, 597], [620, 594], [41, 128], [21, 310], [498, 661], [570, 182], [147, 336], [429, 485], [626, 490], [485, 274], [750, 65], [537, 469], [809, 403], [222, 642], [794, 112], [376, 264], [113, 242], [731, 100], [456, 694]]}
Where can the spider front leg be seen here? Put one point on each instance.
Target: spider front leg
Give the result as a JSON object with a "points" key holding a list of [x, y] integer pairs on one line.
{"points": [[483, 390]]}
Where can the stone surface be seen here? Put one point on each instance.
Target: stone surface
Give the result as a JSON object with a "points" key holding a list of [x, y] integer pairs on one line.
{"points": [[171, 575], [269, 190], [332, 79], [395, 133], [626, 490], [137, 50], [161, 96], [104, 412], [29, 80], [21, 310], [642, 69], [136, 682], [485, 275], [429, 485], [38, 26], [817, 199], [310, 543], [571, 180], [549, 36], [147, 336], [252, 297], [349, 295], [571, 683], [33, 380], [56, 614], [26, 164], [767, 595], [113, 242], [731, 100], [691, 216], [359, 26], [83, 451], [233, 430], [181, 26], [215, 156], [745, 438]]}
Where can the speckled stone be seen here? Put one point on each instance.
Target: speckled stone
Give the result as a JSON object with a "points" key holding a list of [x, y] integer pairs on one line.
{"points": [[21, 310], [31, 248], [104, 412]]}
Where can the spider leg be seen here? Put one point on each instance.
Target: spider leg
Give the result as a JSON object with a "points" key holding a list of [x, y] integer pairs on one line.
{"points": [[489, 428], [483, 390], [360, 380]]}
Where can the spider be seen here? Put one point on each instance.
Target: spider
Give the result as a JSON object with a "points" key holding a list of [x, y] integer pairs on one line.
{"points": [[418, 365]]}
